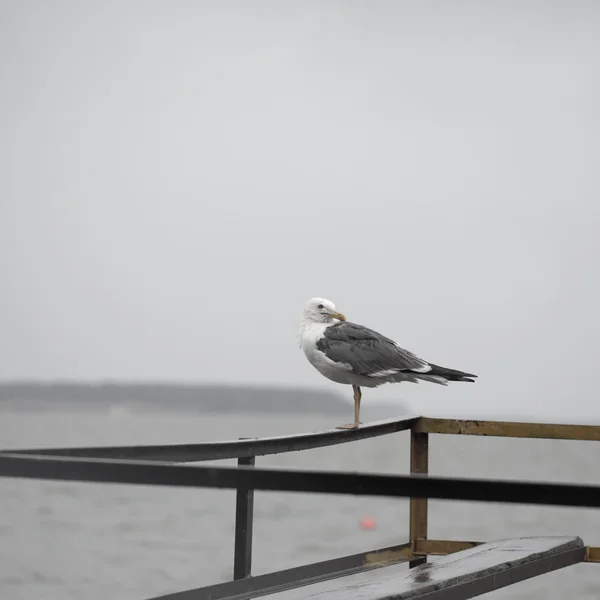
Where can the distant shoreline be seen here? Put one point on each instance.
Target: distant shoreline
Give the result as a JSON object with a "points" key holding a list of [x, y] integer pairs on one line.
{"points": [[197, 398]]}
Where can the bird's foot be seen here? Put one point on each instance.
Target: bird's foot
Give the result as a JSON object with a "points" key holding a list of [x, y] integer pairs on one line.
{"points": [[349, 426]]}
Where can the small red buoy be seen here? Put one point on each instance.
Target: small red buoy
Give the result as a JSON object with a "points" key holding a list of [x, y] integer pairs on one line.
{"points": [[367, 523]]}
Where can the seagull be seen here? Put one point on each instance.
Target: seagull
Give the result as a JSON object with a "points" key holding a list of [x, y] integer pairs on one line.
{"points": [[355, 355]]}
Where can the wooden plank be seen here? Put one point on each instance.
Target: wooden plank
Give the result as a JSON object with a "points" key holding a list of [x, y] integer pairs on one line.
{"points": [[419, 463], [468, 573], [509, 429]]}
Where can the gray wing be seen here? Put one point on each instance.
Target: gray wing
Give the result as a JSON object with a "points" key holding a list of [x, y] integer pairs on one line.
{"points": [[367, 352]]}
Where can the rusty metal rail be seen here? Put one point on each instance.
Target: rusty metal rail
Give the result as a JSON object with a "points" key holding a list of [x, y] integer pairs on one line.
{"points": [[153, 465], [585, 433]]}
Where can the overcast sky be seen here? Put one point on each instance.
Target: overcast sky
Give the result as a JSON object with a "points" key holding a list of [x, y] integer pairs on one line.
{"points": [[178, 178]]}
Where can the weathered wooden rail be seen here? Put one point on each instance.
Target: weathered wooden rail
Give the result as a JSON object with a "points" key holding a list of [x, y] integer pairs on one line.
{"points": [[465, 569]]}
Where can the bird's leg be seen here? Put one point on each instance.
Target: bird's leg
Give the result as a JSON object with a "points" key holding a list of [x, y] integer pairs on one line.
{"points": [[357, 399]]}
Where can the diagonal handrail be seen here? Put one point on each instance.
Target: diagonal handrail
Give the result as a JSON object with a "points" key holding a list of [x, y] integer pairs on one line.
{"points": [[234, 448]]}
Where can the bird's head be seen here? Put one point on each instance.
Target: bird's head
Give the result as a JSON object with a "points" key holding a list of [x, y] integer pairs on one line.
{"points": [[320, 310]]}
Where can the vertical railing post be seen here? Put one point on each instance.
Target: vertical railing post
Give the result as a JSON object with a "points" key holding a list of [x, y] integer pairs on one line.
{"points": [[244, 519], [419, 463]]}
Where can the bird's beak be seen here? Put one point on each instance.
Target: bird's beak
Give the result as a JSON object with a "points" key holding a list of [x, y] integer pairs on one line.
{"points": [[339, 316]]}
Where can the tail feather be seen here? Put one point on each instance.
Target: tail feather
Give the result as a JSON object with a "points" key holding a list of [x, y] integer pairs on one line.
{"points": [[451, 374]]}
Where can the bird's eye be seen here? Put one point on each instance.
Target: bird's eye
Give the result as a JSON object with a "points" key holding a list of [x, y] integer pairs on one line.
{"points": [[320, 306]]}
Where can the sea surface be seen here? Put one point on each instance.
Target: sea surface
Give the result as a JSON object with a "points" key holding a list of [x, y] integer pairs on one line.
{"points": [[118, 542]]}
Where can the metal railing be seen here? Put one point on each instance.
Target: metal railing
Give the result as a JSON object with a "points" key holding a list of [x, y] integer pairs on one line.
{"points": [[152, 465]]}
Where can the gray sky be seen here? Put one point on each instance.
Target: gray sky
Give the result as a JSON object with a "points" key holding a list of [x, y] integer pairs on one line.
{"points": [[178, 178]]}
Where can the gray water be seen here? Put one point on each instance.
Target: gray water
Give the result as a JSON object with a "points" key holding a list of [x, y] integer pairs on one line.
{"points": [[100, 541]]}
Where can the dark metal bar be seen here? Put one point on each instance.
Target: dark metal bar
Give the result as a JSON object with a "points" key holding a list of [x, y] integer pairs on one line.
{"points": [[324, 482], [419, 464], [508, 429], [331, 437], [232, 449], [289, 579], [244, 521]]}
